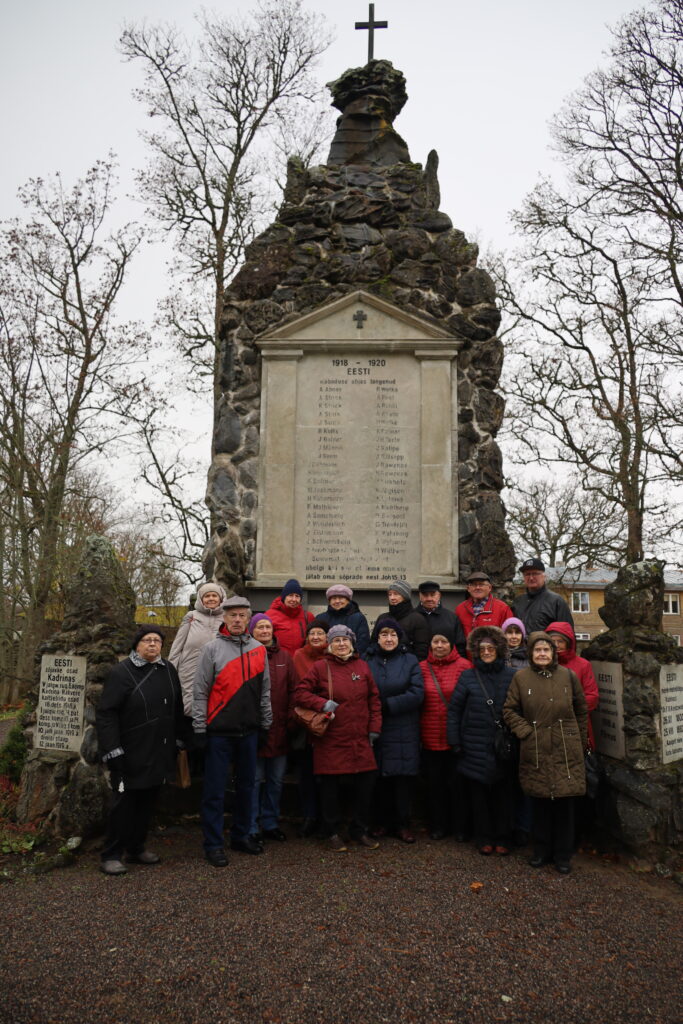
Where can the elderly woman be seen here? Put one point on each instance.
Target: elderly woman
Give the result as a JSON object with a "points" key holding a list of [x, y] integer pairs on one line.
{"points": [[515, 636], [445, 790], [289, 617], [140, 726], [342, 610], [271, 760], [314, 648], [342, 684], [397, 751], [416, 632], [196, 629], [546, 709], [474, 711]]}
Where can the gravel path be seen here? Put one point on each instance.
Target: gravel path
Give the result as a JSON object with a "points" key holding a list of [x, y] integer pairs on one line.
{"points": [[300, 935]]}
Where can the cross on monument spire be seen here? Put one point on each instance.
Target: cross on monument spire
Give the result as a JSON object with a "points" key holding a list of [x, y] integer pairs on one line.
{"points": [[371, 25]]}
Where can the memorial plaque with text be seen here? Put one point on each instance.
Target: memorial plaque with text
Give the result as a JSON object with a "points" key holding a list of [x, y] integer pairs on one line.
{"points": [[358, 480], [59, 721], [358, 476], [608, 718], [671, 702]]}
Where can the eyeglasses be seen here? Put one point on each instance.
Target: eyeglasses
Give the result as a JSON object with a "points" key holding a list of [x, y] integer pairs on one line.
{"points": [[486, 647], [152, 640], [341, 640]]}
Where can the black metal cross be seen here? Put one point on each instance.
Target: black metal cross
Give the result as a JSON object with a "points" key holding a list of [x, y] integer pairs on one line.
{"points": [[371, 25], [359, 316]]}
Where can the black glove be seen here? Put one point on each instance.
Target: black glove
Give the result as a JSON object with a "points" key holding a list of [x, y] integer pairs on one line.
{"points": [[199, 741], [115, 764]]}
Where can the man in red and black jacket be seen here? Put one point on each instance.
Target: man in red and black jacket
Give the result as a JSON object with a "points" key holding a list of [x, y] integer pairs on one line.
{"points": [[481, 608], [231, 706]]}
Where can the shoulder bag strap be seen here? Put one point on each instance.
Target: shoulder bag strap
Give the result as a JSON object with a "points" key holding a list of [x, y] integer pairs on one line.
{"points": [[489, 700], [438, 688], [329, 681]]}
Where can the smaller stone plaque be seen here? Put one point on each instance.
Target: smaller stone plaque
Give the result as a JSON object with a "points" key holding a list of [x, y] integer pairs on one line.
{"points": [[59, 722], [608, 718], [671, 703]]}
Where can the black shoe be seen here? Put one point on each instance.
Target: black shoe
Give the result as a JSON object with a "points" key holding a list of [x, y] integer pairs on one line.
{"points": [[437, 833], [217, 858], [274, 833], [248, 845], [538, 861], [563, 866]]}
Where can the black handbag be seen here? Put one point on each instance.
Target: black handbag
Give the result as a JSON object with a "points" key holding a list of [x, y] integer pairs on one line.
{"points": [[590, 761], [504, 746]]}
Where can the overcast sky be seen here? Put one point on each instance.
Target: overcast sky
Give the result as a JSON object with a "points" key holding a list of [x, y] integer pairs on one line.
{"points": [[483, 80]]}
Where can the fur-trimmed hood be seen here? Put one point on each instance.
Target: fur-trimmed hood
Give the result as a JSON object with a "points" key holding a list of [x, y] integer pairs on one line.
{"points": [[491, 633]]}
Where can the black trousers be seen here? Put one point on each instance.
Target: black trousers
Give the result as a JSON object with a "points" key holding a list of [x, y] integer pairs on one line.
{"points": [[492, 811], [447, 793], [362, 785], [554, 828], [129, 820], [393, 797]]}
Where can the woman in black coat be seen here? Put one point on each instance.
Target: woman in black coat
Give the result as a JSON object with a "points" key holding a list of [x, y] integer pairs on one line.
{"points": [[140, 724], [397, 751], [471, 731]]}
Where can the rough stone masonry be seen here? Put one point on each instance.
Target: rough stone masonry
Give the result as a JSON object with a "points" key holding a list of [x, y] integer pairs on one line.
{"points": [[369, 218]]}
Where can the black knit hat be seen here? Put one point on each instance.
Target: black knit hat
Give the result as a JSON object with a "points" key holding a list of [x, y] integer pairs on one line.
{"points": [[291, 587], [319, 622], [386, 622], [144, 631]]}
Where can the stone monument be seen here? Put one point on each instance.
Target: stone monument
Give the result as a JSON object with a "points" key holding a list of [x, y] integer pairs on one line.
{"points": [[639, 730], [357, 410], [63, 779]]}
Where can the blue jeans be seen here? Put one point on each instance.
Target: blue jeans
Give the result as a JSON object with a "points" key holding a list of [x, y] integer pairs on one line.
{"points": [[221, 752], [270, 773]]}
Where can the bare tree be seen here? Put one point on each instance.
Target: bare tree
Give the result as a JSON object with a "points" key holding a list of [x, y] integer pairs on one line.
{"points": [[217, 106], [593, 296], [564, 524], [68, 381]]}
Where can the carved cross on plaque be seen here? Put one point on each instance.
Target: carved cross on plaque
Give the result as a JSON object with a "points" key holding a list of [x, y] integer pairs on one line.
{"points": [[359, 316], [371, 25]]}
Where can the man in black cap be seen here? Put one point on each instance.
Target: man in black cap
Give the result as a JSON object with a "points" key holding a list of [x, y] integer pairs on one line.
{"points": [[538, 607], [439, 619]]}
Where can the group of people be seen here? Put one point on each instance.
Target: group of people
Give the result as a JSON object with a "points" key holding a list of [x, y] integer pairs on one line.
{"points": [[490, 703]]}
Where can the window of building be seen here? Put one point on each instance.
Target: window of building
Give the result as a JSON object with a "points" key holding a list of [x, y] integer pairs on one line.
{"points": [[672, 606], [580, 601], [676, 637], [582, 636]]}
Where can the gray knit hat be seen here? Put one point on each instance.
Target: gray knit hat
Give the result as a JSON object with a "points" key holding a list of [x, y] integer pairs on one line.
{"points": [[401, 587], [341, 631]]}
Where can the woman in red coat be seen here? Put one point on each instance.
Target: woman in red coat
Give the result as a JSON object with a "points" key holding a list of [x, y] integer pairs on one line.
{"points": [[565, 643], [445, 787], [342, 684], [289, 618]]}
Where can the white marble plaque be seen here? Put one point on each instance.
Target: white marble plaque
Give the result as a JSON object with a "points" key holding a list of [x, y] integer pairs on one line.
{"points": [[608, 718], [358, 468], [59, 720], [358, 449], [671, 702]]}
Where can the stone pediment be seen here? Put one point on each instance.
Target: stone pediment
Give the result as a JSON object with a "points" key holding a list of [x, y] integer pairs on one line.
{"points": [[335, 323]]}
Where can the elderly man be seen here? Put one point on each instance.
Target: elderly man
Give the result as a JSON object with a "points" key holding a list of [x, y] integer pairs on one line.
{"points": [[481, 608], [538, 607], [439, 619], [231, 705]]}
